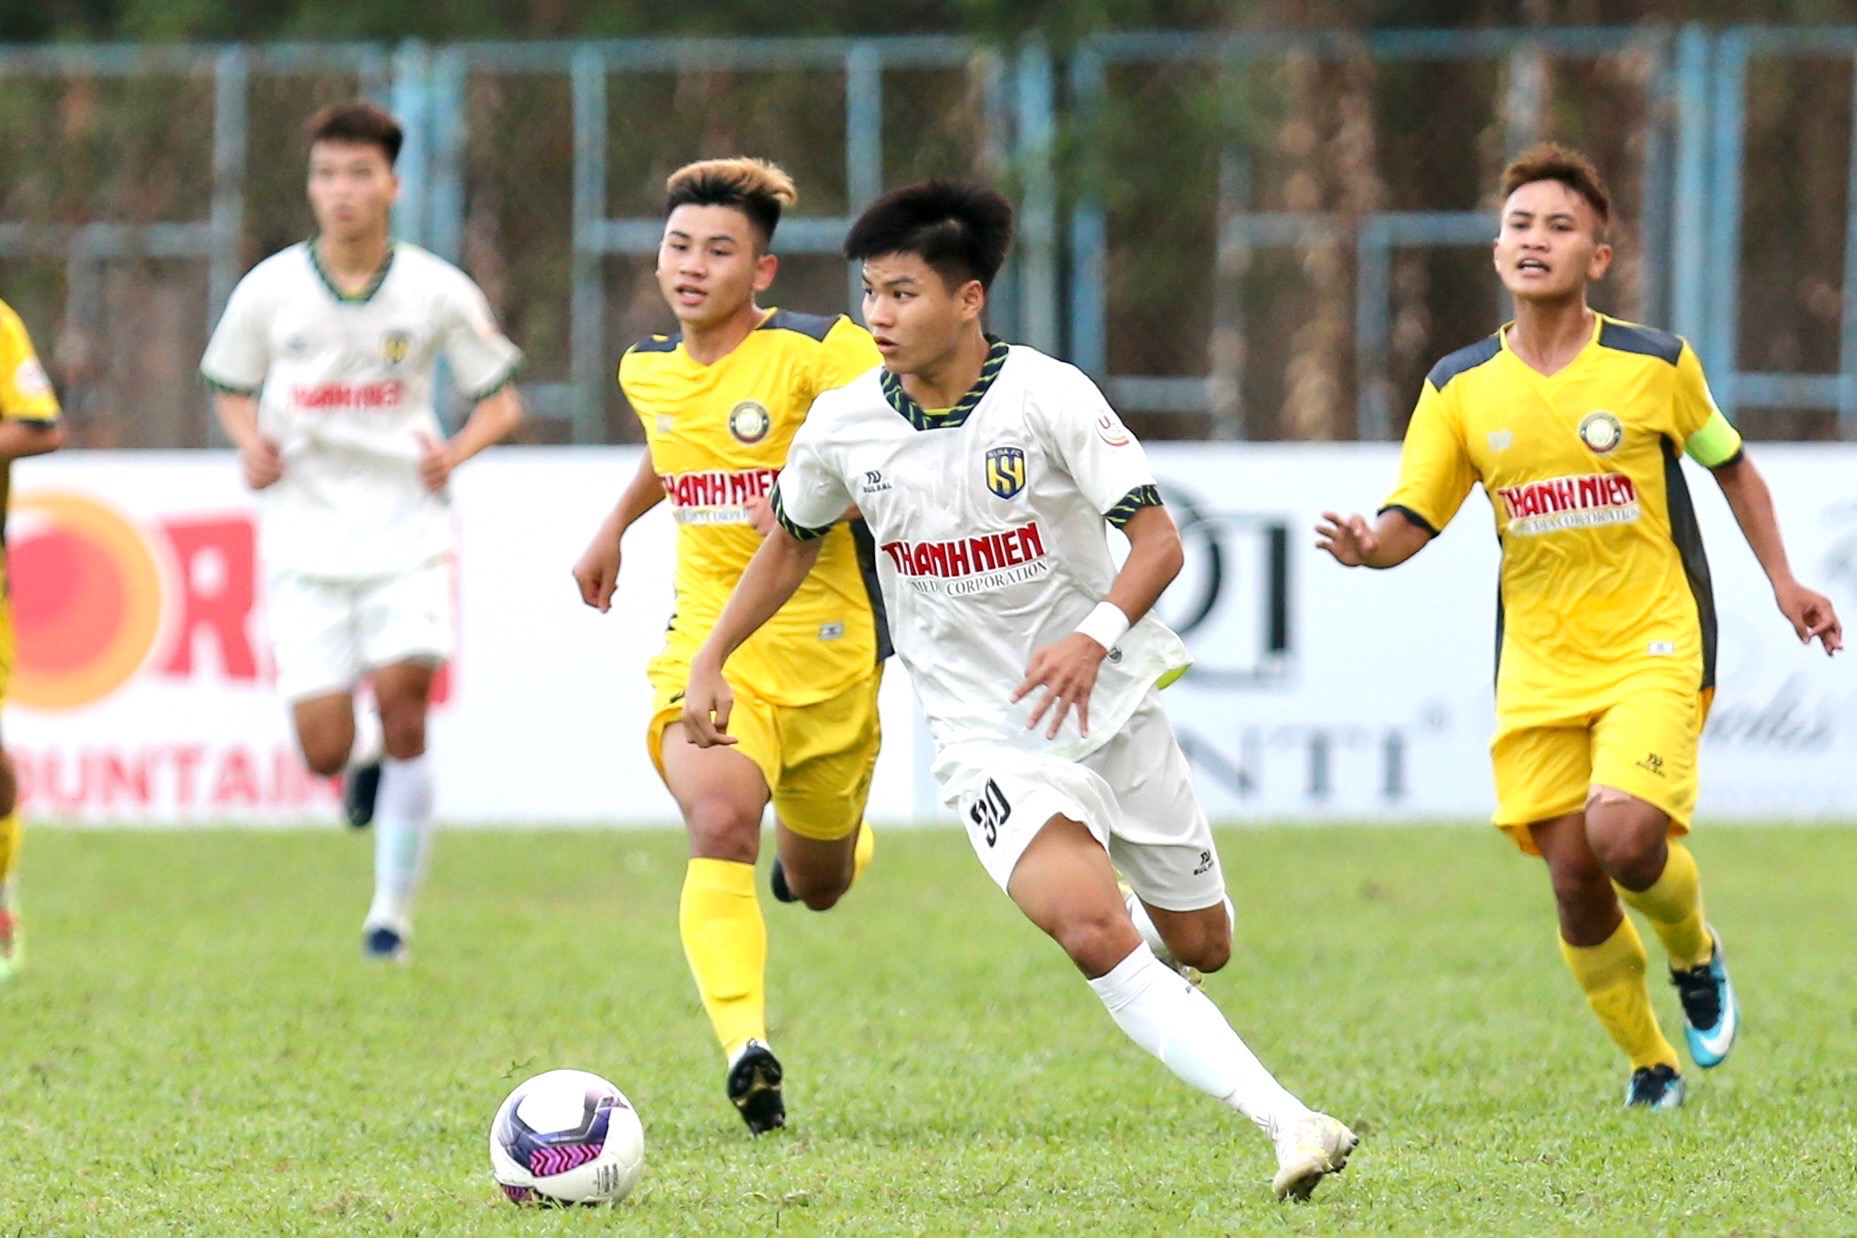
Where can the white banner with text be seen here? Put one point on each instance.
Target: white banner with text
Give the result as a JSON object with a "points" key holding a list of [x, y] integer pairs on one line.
{"points": [[142, 689]]}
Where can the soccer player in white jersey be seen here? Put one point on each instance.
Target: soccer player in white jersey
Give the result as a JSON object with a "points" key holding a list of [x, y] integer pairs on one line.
{"points": [[322, 369], [989, 475]]}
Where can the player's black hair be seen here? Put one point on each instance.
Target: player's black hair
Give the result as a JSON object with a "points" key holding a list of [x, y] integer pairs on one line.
{"points": [[755, 187], [960, 228], [360, 123]]}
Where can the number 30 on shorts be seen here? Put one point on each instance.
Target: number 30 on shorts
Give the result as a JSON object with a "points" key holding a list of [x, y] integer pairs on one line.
{"points": [[990, 811]]}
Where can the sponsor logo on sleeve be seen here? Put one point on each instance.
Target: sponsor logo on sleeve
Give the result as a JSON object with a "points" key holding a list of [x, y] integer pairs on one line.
{"points": [[1110, 429]]}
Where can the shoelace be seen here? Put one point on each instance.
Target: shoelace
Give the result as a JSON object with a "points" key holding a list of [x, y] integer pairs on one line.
{"points": [[1701, 998]]}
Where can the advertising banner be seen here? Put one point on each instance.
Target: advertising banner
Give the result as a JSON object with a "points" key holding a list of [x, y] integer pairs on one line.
{"points": [[142, 690]]}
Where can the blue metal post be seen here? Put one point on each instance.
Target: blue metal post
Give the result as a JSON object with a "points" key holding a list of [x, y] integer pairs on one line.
{"points": [[863, 143], [1089, 347], [1689, 242], [1373, 295], [226, 218], [588, 330], [1526, 96], [1038, 242], [1729, 107], [412, 107], [450, 125], [1654, 284]]}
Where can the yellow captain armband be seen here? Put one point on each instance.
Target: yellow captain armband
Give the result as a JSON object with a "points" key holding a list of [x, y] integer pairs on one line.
{"points": [[1716, 444]]}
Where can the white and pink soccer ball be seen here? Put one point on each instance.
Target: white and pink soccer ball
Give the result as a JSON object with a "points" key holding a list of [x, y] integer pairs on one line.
{"points": [[566, 1137]]}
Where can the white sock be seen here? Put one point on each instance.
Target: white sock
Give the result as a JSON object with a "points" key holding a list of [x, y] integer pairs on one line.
{"points": [[367, 747], [1158, 1010], [402, 826], [1144, 924]]}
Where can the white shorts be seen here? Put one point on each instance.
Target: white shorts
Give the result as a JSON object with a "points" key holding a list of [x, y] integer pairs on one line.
{"points": [[329, 635], [1135, 794]]}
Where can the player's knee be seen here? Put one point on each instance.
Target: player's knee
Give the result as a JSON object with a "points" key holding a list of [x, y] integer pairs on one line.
{"points": [[9, 784], [818, 898], [1096, 941], [1208, 951], [403, 733], [324, 755], [1632, 857], [721, 829]]}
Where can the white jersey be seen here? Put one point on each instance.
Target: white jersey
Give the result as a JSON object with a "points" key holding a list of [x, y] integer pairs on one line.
{"points": [[991, 521], [344, 387]]}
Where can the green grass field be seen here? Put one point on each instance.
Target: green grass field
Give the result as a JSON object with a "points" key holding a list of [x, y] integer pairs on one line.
{"points": [[197, 1047]]}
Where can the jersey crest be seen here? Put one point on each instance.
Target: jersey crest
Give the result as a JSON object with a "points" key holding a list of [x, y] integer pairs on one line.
{"points": [[749, 422], [1005, 471]]}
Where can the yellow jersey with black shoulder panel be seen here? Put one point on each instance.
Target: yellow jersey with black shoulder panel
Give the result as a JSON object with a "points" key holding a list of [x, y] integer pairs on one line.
{"points": [[1603, 574], [718, 436], [25, 392]]}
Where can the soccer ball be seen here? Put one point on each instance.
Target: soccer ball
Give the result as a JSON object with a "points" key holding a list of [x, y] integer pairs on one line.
{"points": [[566, 1137]]}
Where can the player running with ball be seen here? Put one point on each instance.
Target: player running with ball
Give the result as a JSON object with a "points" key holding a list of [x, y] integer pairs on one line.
{"points": [[989, 475], [1575, 424], [719, 402]]}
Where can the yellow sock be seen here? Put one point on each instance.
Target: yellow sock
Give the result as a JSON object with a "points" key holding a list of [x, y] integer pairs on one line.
{"points": [[725, 940], [1673, 905], [861, 853], [1612, 976], [11, 833]]}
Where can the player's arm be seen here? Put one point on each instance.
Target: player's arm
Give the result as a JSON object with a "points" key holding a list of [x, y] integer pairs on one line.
{"points": [[28, 436], [1711, 440], [28, 407], [1810, 613], [1394, 536], [1067, 669], [259, 457], [1435, 475], [774, 575], [597, 570], [494, 419], [806, 501]]}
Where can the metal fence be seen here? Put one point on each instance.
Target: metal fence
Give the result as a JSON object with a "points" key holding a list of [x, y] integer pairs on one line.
{"points": [[1248, 235]]}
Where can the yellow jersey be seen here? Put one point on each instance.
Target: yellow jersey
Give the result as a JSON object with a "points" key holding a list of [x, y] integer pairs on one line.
{"points": [[718, 436], [25, 392], [1603, 573]]}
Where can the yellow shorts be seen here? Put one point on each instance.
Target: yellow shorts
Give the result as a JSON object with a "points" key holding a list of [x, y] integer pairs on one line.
{"points": [[1643, 743], [817, 759]]}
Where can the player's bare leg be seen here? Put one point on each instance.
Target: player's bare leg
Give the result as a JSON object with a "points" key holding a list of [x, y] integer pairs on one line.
{"points": [[403, 812], [12, 941], [814, 871], [1660, 880], [1065, 884], [1602, 948], [722, 796], [325, 728]]}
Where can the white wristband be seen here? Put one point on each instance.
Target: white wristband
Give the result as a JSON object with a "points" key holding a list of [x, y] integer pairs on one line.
{"points": [[1105, 625]]}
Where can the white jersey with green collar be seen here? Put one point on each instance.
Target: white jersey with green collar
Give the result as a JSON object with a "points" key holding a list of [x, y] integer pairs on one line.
{"points": [[991, 521], [345, 388]]}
